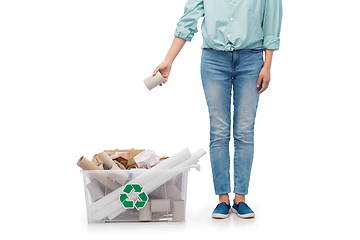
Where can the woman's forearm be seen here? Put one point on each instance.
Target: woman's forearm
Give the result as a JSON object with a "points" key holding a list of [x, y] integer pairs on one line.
{"points": [[175, 48], [165, 67], [268, 58]]}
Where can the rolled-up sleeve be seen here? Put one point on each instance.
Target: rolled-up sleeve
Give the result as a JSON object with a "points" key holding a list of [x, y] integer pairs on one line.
{"points": [[272, 24], [187, 25]]}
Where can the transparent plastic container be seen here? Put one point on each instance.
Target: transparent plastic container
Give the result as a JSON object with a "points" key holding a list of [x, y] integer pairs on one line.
{"points": [[116, 196]]}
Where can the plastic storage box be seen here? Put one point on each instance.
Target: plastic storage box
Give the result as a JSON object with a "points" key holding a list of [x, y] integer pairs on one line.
{"points": [[116, 196]]}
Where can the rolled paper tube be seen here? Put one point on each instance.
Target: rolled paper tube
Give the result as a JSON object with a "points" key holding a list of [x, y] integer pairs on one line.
{"points": [[111, 206], [117, 208], [119, 176], [95, 190], [85, 164], [145, 213], [104, 157], [173, 172], [115, 167], [160, 205], [141, 179], [178, 210], [154, 81]]}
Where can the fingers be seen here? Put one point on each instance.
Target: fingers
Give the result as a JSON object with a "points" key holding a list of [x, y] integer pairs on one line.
{"points": [[156, 70], [259, 81], [265, 85], [164, 69], [263, 82], [165, 80]]}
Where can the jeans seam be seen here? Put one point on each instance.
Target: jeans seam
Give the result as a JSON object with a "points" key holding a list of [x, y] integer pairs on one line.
{"points": [[238, 59], [232, 63], [235, 172]]}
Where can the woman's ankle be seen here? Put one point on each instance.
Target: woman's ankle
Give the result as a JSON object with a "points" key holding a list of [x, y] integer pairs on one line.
{"points": [[224, 198], [239, 198]]}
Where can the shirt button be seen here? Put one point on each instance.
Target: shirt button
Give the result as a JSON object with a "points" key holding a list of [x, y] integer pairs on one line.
{"points": [[229, 35], [231, 19]]}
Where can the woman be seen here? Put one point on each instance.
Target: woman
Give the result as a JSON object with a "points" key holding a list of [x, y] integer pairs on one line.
{"points": [[235, 35]]}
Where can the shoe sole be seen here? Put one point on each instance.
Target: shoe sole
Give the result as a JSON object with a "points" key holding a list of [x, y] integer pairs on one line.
{"points": [[248, 215], [221, 216]]}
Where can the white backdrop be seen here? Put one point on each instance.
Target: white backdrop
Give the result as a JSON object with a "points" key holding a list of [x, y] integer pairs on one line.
{"points": [[71, 85]]}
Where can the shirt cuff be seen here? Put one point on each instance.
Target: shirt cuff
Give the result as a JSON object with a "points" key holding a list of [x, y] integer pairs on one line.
{"points": [[184, 33], [271, 42]]}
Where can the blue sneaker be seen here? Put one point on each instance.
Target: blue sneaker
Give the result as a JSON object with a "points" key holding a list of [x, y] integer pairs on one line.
{"points": [[243, 210], [222, 210]]}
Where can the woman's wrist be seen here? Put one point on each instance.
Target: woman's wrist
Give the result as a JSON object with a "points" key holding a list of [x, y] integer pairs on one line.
{"points": [[168, 60], [267, 65]]}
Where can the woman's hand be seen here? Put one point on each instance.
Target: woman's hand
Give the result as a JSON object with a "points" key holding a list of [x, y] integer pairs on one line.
{"points": [[164, 68], [264, 78]]}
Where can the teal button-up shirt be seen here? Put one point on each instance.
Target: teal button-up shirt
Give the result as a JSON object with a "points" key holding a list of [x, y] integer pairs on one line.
{"points": [[233, 24]]}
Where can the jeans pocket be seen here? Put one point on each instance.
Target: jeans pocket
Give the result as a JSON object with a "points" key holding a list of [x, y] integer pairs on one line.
{"points": [[256, 50]]}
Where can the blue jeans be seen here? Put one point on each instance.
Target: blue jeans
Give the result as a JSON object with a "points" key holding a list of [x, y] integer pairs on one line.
{"points": [[225, 74]]}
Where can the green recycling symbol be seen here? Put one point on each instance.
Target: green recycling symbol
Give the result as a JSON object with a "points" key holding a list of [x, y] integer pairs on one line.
{"points": [[129, 204]]}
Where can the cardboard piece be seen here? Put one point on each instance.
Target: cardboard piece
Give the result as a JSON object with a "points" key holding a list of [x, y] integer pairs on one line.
{"points": [[122, 158], [85, 164], [122, 167]]}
